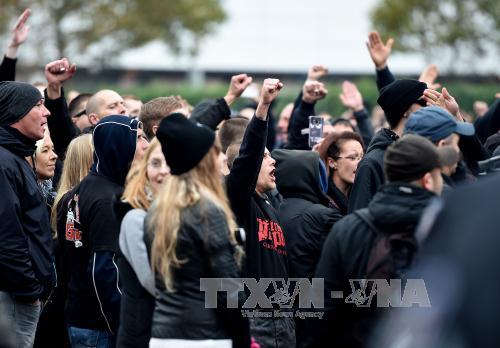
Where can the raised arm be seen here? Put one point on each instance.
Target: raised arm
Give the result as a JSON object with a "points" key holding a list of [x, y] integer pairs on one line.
{"points": [[212, 112], [19, 36], [242, 179], [352, 99], [312, 91], [471, 146], [379, 53], [60, 125]]}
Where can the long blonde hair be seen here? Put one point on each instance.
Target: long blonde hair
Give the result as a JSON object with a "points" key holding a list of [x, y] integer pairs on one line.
{"points": [[180, 192], [137, 181], [79, 159]]}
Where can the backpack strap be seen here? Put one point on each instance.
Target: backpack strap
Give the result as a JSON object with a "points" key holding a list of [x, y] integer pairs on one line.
{"points": [[365, 216]]}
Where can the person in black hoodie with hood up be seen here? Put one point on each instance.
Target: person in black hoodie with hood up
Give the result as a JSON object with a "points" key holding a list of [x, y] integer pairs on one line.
{"points": [[305, 214], [398, 100], [89, 233], [412, 166], [26, 257]]}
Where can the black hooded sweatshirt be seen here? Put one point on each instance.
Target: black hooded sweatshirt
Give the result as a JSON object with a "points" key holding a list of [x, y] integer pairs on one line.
{"points": [[370, 172], [26, 260], [395, 207], [87, 225], [304, 213]]}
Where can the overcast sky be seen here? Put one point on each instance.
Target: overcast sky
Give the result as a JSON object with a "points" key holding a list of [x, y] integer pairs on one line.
{"points": [[282, 35]]}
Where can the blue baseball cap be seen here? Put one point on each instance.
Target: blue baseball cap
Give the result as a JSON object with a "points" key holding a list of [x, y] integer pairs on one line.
{"points": [[435, 123]]}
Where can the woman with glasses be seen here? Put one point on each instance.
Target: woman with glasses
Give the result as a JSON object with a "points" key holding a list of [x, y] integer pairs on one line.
{"points": [[341, 154]]}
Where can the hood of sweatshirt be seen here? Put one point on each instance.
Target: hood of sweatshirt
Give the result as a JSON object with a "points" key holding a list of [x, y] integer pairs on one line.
{"points": [[115, 139], [398, 206], [300, 174], [382, 140]]}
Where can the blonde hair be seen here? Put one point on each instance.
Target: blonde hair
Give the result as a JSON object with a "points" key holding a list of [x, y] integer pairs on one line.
{"points": [[79, 159], [40, 142], [137, 181], [203, 182]]}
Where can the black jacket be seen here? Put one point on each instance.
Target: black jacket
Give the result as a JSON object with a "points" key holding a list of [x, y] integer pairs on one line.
{"points": [[211, 112], [304, 213], [137, 304], [88, 229], [370, 172], [26, 253], [299, 120], [62, 129], [203, 242], [8, 69], [394, 208]]}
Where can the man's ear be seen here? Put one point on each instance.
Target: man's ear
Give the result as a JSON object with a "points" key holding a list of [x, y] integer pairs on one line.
{"points": [[93, 119], [441, 143], [427, 182], [155, 129]]}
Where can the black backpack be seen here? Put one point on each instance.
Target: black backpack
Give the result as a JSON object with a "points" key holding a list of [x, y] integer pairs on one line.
{"points": [[392, 254]]}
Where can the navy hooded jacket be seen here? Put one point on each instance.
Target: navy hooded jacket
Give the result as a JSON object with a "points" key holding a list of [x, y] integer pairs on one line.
{"points": [[85, 221]]}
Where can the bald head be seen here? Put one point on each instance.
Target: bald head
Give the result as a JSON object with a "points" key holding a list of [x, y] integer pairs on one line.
{"points": [[104, 103]]}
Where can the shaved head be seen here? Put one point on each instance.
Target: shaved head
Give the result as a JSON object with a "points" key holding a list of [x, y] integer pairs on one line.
{"points": [[104, 103]]}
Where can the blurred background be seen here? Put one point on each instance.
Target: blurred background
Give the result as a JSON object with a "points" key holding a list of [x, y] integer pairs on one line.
{"points": [[150, 48]]}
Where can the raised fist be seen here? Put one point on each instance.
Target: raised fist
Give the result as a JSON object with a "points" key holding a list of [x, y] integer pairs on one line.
{"points": [[58, 71], [270, 90], [312, 91]]}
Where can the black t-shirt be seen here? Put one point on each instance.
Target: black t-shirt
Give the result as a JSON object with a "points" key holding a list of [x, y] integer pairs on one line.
{"points": [[86, 224], [265, 242]]}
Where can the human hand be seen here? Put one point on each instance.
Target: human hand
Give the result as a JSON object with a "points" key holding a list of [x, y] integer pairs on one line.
{"points": [[59, 71], [269, 92], [56, 73], [316, 72], [312, 91], [19, 34], [429, 76], [444, 100], [237, 86], [379, 52], [350, 97]]}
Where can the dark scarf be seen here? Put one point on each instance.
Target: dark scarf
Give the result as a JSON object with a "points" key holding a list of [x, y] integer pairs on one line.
{"points": [[337, 197]]}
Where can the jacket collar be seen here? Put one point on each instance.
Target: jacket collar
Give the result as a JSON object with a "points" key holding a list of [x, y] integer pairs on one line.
{"points": [[16, 142]]}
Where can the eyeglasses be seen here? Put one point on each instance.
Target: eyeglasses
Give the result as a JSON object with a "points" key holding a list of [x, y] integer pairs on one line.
{"points": [[352, 157], [81, 113]]}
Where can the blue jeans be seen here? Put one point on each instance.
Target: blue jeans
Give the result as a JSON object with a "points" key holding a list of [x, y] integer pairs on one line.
{"points": [[22, 317], [85, 338]]}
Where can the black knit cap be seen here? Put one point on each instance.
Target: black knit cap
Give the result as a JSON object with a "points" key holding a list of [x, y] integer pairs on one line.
{"points": [[398, 96], [16, 100], [410, 157], [183, 143]]}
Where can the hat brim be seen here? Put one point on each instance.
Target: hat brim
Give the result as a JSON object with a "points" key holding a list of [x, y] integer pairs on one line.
{"points": [[464, 128]]}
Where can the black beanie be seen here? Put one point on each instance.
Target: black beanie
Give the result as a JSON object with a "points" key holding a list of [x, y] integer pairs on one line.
{"points": [[183, 143], [16, 100], [410, 157], [397, 97]]}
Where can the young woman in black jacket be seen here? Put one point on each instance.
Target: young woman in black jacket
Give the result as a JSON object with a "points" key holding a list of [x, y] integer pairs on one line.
{"points": [[190, 235]]}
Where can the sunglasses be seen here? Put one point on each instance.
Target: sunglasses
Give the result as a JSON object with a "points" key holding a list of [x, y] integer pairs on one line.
{"points": [[81, 113]]}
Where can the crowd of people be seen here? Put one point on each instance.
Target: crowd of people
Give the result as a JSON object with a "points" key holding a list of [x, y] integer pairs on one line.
{"points": [[114, 210]]}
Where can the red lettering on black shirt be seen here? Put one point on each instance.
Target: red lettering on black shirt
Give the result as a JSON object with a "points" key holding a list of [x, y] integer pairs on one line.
{"points": [[271, 236]]}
